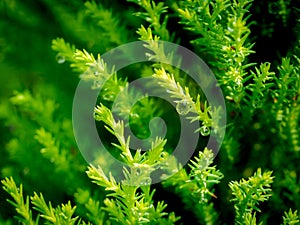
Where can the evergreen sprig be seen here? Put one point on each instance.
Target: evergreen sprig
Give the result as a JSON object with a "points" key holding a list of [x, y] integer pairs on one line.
{"points": [[291, 218], [96, 71], [130, 204], [287, 83], [196, 186], [153, 15], [157, 49], [184, 102], [62, 215], [165, 76], [142, 163], [248, 193], [21, 205], [222, 37], [104, 114], [262, 82]]}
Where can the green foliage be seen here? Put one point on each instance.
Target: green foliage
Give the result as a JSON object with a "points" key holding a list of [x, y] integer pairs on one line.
{"points": [[248, 193], [60, 215], [53, 143], [184, 102], [22, 207], [153, 16], [262, 98], [222, 34], [126, 204], [291, 218], [196, 186]]}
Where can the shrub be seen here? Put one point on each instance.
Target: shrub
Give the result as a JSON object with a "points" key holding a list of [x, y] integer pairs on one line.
{"points": [[254, 178]]}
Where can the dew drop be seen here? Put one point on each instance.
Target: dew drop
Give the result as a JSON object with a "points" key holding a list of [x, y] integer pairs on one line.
{"points": [[230, 29], [108, 97], [26, 171], [60, 58], [204, 130], [146, 181], [163, 155], [134, 115], [93, 69], [238, 85], [156, 166], [97, 84], [183, 107], [138, 171]]}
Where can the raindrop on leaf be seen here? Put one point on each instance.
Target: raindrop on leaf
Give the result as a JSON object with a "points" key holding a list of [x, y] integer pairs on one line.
{"points": [[163, 155], [146, 181], [60, 58], [108, 97], [97, 84], [138, 171], [204, 130], [93, 69], [183, 107], [156, 166]]}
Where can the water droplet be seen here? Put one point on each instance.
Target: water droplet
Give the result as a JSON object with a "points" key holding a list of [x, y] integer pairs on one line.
{"points": [[138, 171], [238, 85], [134, 115], [108, 97], [230, 29], [97, 84], [146, 181], [60, 58], [26, 171], [163, 155], [156, 166], [93, 69], [204, 130], [183, 107]]}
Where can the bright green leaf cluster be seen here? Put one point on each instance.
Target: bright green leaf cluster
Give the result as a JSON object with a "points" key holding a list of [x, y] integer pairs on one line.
{"points": [[21, 205], [153, 16], [248, 193], [263, 113], [61, 215], [196, 186], [127, 204], [291, 218]]}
